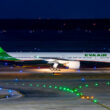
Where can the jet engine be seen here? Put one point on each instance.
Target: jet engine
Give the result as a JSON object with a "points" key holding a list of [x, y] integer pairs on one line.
{"points": [[73, 64]]}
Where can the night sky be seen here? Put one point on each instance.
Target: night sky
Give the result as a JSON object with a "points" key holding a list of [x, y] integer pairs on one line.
{"points": [[60, 9]]}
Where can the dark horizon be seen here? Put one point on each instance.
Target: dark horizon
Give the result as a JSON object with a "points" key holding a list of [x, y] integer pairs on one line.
{"points": [[55, 35], [55, 24], [58, 9]]}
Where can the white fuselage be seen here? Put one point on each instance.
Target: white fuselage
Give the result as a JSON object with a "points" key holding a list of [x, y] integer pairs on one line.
{"points": [[71, 56]]}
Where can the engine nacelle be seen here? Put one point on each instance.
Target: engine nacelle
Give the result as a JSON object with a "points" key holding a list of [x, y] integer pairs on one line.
{"points": [[73, 64]]}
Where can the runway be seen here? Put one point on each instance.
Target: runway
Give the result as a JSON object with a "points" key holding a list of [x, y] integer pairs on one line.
{"points": [[59, 90], [7, 69], [43, 94], [46, 73]]}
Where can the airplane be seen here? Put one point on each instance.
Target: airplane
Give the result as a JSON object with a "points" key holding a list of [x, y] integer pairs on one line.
{"points": [[72, 60]]}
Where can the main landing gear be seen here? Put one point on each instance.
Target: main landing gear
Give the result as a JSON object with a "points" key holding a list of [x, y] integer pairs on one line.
{"points": [[55, 65]]}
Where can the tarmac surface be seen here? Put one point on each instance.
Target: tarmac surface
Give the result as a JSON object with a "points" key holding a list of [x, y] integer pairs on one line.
{"points": [[54, 94], [42, 94], [38, 70]]}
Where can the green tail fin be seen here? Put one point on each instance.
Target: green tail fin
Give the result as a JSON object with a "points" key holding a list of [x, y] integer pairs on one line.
{"points": [[5, 56], [1, 50]]}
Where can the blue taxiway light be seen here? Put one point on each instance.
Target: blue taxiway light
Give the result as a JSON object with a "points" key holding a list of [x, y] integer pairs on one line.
{"points": [[0, 88], [16, 79], [78, 70], [20, 71], [7, 97], [10, 91], [83, 79], [94, 67], [6, 63]]}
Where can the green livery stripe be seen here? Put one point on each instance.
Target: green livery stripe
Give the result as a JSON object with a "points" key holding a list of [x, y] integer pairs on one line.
{"points": [[5, 56]]}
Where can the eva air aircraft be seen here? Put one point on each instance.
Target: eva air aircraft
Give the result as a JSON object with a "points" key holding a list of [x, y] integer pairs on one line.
{"points": [[69, 59]]}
